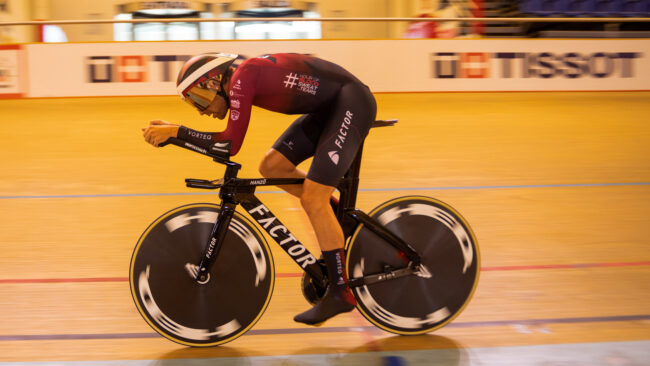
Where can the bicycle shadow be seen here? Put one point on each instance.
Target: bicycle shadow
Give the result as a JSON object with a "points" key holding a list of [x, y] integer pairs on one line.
{"points": [[391, 351], [212, 356]]}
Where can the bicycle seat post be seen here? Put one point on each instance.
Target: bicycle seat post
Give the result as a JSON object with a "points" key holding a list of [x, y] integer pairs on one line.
{"points": [[349, 185]]}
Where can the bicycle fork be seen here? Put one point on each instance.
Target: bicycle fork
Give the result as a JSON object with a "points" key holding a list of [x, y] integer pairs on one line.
{"points": [[222, 224], [216, 240], [271, 224]]}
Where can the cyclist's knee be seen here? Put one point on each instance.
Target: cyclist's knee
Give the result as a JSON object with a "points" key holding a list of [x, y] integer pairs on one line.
{"points": [[275, 164], [265, 168], [315, 197], [313, 204]]}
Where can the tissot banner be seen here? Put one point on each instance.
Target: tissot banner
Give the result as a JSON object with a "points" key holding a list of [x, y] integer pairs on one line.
{"points": [[150, 68]]}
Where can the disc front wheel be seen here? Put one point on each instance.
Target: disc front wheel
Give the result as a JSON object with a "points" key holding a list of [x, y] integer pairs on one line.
{"points": [[215, 311]]}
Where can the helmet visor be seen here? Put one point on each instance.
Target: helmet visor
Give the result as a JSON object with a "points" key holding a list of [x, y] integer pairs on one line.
{"points": [[200, 96]]}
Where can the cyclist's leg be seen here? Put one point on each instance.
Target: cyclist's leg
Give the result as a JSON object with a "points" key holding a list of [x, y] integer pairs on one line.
{"points": [[354, 112], [295, 145], [315, 201], [276, 165], [339, 142]]}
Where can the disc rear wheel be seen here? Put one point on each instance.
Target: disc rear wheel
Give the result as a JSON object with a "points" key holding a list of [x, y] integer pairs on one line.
{"points": [[439, 291]]}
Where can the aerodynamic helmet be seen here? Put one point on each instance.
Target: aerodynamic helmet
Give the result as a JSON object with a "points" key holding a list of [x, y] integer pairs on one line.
{"points": [[201, 79]]}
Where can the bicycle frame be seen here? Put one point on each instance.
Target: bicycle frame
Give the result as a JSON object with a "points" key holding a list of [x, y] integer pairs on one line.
{"points": [[234, 191]]}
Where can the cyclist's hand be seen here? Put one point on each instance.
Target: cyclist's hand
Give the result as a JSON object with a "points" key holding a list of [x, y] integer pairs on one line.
{"points": [[159, 131]]}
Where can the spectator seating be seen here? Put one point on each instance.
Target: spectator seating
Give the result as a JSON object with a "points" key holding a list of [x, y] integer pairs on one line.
{"points": [[634, 8], [586, 8]]}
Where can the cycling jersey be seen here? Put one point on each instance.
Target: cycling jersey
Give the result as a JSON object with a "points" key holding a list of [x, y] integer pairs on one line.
{"points": [[335, 103]]}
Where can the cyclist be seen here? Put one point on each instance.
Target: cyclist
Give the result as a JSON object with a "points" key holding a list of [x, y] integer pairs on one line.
{"points": [[337, 111]]}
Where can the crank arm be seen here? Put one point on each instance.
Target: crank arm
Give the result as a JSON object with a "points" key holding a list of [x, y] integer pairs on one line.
{"points": [[381, 277]]}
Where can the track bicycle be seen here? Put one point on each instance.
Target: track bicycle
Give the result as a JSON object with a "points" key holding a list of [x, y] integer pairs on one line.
{"points": [[202, 274]]}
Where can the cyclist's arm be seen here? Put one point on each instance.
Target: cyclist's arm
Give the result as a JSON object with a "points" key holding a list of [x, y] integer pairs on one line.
{"points": [[241, 104], [235, 132], [198, 138]]}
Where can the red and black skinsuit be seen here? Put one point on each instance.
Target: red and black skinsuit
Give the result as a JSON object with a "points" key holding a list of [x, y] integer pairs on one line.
{"points": [[337, 111]]}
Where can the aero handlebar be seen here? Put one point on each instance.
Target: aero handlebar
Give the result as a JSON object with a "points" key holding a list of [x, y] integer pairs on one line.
{"points": [[219, 151]]}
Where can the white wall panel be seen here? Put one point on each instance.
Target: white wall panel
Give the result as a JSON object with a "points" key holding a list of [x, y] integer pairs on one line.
{"points": [[385, 65]]}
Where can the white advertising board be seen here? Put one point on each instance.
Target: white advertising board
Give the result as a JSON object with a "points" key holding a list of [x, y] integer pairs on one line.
{"points": [[150, 68]]}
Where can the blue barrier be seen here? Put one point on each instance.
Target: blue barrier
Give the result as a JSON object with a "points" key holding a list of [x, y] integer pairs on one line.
{"points": [[586, 8], [634, 8], [577, 8], [605, 8], [540, 7]]}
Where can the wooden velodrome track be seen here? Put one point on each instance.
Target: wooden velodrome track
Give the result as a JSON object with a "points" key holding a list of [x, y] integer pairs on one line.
{"points": [[555, 185]]}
